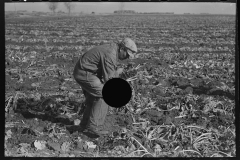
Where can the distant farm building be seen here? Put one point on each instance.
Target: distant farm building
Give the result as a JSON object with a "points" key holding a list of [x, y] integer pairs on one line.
{"points": [[124, 12]]}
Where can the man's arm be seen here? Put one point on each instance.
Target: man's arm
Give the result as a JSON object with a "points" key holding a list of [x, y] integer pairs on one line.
{"points": [[109, 69]]}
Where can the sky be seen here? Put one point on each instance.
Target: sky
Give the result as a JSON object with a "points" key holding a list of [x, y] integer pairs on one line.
{"points": [[110, 7]]}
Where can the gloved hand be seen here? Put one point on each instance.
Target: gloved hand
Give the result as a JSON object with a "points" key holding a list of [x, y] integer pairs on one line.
{"points": [[120, 70]]}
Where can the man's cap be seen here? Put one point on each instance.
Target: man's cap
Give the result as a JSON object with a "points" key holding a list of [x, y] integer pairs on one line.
{"points": [[130, 45]]}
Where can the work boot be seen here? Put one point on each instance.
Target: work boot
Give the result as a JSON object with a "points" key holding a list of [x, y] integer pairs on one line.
{"points": [[81, 128], [94, 133], [99, 132], [73, 129]]}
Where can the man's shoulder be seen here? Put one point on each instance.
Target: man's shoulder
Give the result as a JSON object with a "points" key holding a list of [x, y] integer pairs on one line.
{"points": [[107, 47]]}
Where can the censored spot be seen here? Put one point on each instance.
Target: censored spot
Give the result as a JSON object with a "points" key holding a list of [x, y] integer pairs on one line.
{"points": [[117, 92]]}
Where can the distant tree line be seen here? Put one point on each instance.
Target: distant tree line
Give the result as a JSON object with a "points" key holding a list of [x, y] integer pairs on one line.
{"points": [[52, 6]]}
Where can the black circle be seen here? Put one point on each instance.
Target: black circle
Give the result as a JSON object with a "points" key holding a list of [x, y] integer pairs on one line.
{"points": [[117, 92]]}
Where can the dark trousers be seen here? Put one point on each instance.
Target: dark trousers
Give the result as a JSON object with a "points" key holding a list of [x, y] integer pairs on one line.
{"points": [[96, 109]]}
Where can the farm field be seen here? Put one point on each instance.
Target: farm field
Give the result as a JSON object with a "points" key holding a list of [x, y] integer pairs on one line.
{"points": [[183, 82]]}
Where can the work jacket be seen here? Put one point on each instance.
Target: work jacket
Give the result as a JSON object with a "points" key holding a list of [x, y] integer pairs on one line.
{"points": [[100, 61]]}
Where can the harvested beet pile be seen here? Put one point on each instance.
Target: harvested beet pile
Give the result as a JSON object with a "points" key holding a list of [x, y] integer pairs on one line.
{"points": [[183, 88]]}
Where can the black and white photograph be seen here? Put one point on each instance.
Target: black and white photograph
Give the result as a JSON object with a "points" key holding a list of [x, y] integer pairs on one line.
{"points": [[120, 79]]}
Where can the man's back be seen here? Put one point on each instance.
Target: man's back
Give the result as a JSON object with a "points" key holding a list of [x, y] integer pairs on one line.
{"points": [[100, 60], [92, 58]]}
